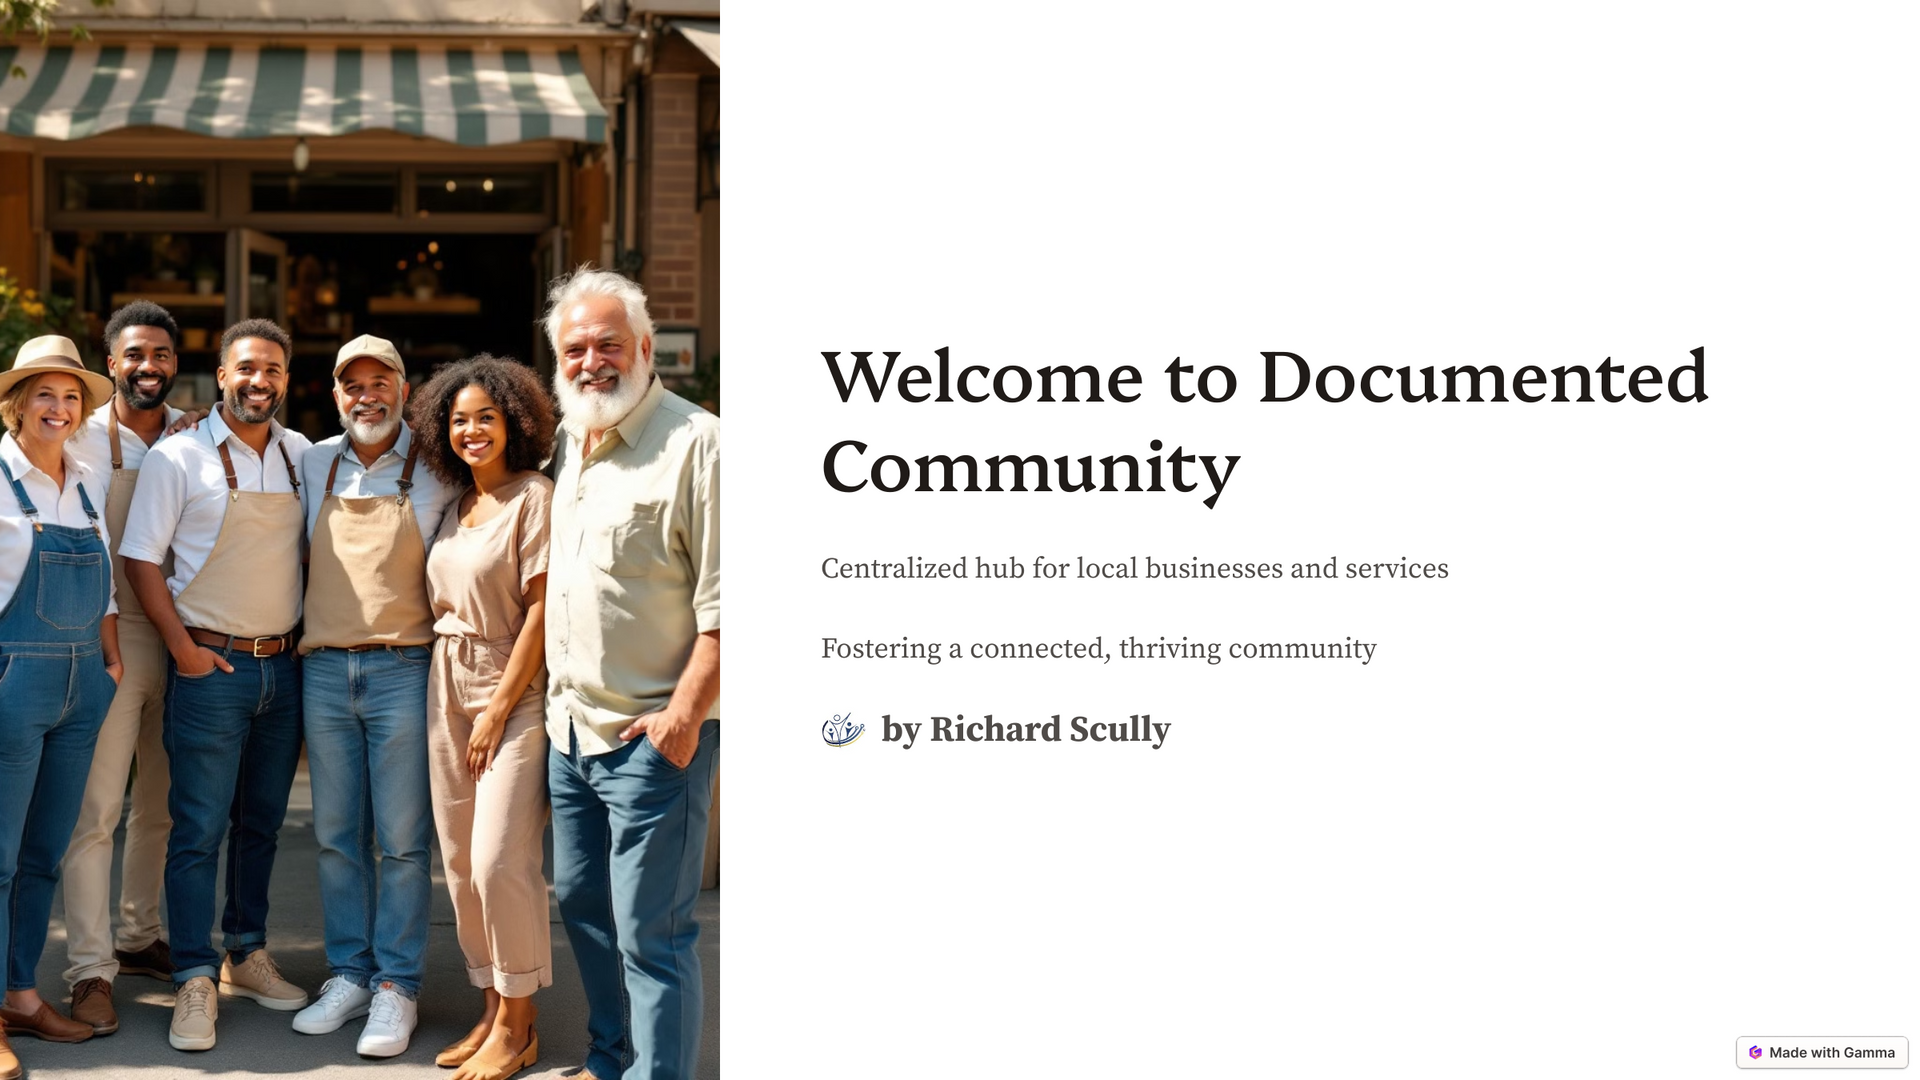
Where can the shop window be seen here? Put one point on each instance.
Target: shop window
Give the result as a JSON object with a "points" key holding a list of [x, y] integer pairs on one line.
{"points": [[184, 272], [325, 192], [480, 193], [133, 189]]}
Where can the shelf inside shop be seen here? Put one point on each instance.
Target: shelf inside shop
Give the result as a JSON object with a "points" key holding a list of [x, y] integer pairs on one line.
{"points": [[172, 300], [407, 305]]}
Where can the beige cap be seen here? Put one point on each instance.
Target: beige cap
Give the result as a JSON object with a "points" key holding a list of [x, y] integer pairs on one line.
{"points": [[367, 345], [53, 353]]}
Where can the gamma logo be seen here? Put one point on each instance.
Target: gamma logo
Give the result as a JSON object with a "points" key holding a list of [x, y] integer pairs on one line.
{"points": [[841, 730], [1753, 1052]]}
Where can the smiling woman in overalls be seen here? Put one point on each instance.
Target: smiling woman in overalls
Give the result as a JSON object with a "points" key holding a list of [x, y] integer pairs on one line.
{"points": [[59, 657]]}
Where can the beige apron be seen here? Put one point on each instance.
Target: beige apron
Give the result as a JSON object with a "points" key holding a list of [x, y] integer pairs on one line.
{"points": [[119, 498], [250, 584], [367, 571]]}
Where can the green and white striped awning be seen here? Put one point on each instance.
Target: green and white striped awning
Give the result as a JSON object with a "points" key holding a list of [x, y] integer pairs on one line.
{"points": [[473, 97]]}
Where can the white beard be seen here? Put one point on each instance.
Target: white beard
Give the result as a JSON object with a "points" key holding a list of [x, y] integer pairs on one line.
{"points": [[370, 434], [582, 411]]}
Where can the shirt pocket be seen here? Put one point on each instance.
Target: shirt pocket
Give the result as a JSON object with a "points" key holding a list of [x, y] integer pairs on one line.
{"points": [[632, 541]]}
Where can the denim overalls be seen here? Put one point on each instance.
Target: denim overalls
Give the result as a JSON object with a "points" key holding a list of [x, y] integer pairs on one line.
{"points": [[54, 693]]}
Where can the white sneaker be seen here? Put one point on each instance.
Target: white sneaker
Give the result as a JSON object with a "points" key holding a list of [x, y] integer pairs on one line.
{"points": [[390, 1023], [195, 1008], [339, 1002]]}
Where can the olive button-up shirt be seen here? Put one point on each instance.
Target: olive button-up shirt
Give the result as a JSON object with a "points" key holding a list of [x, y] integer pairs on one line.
{"points": [[634, 573]]}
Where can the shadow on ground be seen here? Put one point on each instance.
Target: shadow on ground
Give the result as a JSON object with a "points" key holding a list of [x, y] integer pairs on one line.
{"points": [[257, 1042]]}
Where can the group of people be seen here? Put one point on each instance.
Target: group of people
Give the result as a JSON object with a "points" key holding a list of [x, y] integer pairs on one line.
{"points": [[471, 606]]}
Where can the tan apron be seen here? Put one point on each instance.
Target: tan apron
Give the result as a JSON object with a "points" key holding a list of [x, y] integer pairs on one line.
{"points": [[119, 498], [250, 584], [367, 571]]}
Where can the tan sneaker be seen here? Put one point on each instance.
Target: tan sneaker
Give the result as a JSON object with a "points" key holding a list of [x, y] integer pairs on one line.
{"points": [[256, 977], [195, 1008]]}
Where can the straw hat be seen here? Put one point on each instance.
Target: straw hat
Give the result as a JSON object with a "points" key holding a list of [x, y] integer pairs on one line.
{"points": [[53, 353]]}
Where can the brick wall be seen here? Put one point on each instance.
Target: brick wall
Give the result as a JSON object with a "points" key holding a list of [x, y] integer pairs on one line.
{"points": [[670, 218]]}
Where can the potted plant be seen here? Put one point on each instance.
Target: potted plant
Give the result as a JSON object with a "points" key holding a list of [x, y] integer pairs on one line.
{"points": [[206, 278]]}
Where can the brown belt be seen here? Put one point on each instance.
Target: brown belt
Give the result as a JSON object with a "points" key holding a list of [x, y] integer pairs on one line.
{"points": [[272, 645], [370, 646]]}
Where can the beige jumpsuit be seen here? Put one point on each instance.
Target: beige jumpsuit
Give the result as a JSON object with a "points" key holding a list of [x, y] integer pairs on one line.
{"points": [[490, 831]]}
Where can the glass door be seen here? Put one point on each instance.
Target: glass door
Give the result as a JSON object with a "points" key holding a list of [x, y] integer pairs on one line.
{"points": [[257, 267], [257, 276], [549, 262]]}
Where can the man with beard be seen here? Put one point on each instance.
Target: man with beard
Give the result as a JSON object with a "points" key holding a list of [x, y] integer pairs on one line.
{"points": [[140, 341], [370, 516], [224, 500], [633, 654]]}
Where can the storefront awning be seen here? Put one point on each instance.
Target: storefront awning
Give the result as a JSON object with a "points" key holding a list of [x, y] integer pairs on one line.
{"points": [[473, 97], [702, 34]]}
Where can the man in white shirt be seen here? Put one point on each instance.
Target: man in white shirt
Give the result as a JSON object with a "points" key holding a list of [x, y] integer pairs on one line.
{"points": [[140, 341], [224, 500], [372, 511]]}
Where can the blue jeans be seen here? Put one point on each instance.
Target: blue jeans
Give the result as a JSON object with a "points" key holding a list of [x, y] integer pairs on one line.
{"points": [[233, 744], [55, 697], [629, 834], [366, 722]]}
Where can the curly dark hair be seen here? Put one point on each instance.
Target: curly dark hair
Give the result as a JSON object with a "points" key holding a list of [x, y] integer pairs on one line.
{"points": [[140, 313], [512, 385]]}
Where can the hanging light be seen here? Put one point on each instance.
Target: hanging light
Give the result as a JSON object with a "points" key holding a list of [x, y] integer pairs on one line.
{"points": [[301, 155]]}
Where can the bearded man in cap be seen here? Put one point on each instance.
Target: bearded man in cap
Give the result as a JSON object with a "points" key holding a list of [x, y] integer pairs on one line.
{"points": [[370, 517]]}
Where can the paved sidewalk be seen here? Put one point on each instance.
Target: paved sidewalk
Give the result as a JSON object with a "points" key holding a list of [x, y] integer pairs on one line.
{"points": [[256, 1042]]}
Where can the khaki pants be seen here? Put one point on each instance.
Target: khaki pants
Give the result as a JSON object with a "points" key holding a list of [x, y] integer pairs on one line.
{"points": [[132, 731], [490, 831]]}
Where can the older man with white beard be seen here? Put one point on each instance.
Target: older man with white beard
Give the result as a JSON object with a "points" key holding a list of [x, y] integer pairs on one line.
{"points": [[371, 515], [633, 655]]}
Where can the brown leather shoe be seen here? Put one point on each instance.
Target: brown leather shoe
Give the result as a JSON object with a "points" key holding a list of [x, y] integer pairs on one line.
{"points": [[9, 1063], [93, 1006], [46, 1024], [154, 960]]}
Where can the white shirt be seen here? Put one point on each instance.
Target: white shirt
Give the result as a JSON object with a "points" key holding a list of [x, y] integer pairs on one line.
{"points": [[56, 506], [181, 499], [429, 497], [95, 450]]}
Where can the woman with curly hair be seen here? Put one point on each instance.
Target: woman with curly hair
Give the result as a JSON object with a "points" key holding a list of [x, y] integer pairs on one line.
{"points": [[486, 425]]}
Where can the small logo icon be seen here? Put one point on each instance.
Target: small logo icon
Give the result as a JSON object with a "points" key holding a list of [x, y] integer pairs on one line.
{"points": [[841, 730], [1753, 1052]]}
